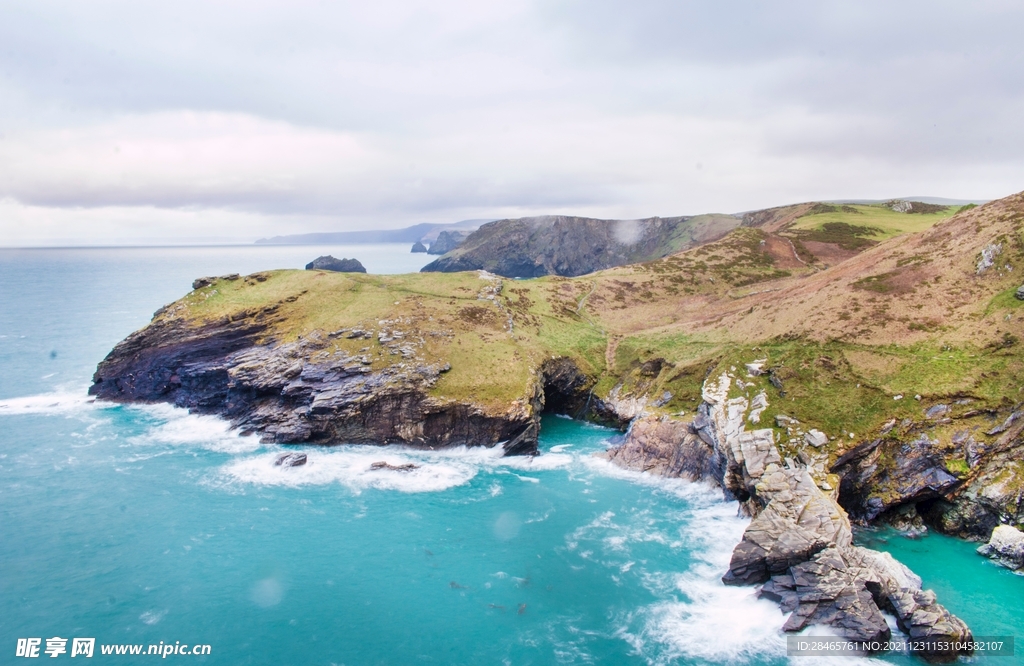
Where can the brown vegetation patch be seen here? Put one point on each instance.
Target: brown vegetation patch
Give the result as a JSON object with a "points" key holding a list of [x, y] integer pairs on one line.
{"points": [[826, 253], [783, 253], [899, 281], [926, 208], [475, 314], [873, 364], [772, 220]]}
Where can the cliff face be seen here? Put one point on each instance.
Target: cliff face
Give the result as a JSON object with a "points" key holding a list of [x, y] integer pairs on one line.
{"points": [[270, 352], [295, 392], [572, 246]]}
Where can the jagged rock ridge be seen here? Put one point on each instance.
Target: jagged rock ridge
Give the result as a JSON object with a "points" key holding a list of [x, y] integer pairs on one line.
{"points": [[799, 544]]}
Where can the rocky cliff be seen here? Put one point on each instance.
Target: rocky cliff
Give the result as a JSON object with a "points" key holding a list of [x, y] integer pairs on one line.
{"points": [[572, 246], [301, 391], [380, 381], [799, 545]]}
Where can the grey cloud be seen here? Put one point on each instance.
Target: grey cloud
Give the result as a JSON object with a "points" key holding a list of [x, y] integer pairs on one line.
{"points": [[594, 107]]}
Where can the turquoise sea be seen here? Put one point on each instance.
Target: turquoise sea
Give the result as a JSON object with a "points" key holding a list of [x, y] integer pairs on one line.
{"points": [[142, 524]]}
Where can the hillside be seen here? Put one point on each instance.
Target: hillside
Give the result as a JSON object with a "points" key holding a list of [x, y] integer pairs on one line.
{"points": [[573, 246], [810, 235]]}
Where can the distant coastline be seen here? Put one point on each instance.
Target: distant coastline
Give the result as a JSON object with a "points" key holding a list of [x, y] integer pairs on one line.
{"points": [[424, 232]]}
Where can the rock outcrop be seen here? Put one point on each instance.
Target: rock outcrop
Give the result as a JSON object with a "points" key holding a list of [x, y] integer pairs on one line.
{"points": [[883, 474], [329, 263], [199, 283], [901, 206], [290, 460], [418, 247], [904, 477], [382, 464], [799, 544], [670, 448], [294, 392], [1006, 546], [570, 246]]}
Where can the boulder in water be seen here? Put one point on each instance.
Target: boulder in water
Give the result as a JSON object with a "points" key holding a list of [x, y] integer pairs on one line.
{"points": [[290, 460], [407, 467], [329, 263], [1006, 546], [419, 247]]}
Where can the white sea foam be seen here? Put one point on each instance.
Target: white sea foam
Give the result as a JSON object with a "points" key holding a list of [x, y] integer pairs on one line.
{"points": [[350, 466], [706, 620], [152, 617], [175, 426], [699, 494], [699, 618], [543, 462], [178, 427], [715, 623], [58, 402]]}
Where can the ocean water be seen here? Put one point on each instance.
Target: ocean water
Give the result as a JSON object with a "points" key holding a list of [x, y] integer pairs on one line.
{"points": [[144, 524]]}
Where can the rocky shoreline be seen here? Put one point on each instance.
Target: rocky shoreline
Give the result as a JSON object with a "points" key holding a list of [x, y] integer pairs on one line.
{"points": [[296, 392], [799, 545]]}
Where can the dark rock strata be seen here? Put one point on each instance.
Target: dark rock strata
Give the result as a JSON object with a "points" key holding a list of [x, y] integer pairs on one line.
{"points": [[904, 477]]}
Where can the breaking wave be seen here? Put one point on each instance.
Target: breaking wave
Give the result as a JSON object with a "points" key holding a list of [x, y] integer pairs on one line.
{"points": [[176, 427], [56, 403]]}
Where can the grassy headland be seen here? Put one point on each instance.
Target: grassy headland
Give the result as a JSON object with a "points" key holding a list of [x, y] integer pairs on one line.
{"points": [[907, 313]]}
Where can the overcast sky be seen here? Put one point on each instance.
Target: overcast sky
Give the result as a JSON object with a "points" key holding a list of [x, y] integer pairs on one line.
{"points": [[145, 122]]}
